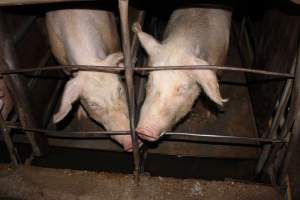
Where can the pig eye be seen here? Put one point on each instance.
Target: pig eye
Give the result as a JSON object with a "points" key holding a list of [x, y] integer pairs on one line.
{"points": [[181, 90]]}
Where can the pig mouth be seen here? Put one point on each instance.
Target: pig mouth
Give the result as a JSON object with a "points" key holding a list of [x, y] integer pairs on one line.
{"points": [[147, 133]]}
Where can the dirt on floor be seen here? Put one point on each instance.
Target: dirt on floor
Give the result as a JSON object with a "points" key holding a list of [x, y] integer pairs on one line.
{"points": [[35, 183]]}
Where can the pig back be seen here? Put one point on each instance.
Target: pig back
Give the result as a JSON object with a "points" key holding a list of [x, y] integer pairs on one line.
{"points": [[78, 36], [203, 32]]}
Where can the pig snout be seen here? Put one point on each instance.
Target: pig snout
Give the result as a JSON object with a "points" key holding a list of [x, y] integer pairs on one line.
{"points": [[148, 132], [119, 121], [155, 119]]}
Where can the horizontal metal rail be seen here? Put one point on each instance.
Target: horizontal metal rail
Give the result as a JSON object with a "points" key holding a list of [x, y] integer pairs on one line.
{"points": [[70, 134], [159, 68], [214, 67], [172, 135], [222, 138]]}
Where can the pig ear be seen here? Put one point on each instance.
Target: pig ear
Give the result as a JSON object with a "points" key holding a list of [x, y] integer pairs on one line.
{"points": [[113, 59], [70, 95], [208, 81], [150, 44]]}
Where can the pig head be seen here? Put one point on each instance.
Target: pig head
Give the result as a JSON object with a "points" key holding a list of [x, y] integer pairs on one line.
{"points": [[89, 37], [194, 36]]}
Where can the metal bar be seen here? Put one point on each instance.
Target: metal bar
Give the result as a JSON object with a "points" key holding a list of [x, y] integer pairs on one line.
{"points": [[214, 67], [123, 8], [23, 29], [25, 2], [118, 69], [279, 113], [14, 157], [69, 67], [172, 135], [223, 138], [69, 134], [18, 89]]}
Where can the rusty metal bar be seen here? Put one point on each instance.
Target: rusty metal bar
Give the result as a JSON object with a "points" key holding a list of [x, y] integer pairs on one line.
{"points": [[123, 8], [18, 89], [138, 69], [23, 29], [25, 2]]}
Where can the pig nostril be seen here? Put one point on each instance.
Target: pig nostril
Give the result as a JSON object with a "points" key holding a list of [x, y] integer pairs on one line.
{"points": [[147, 134]]}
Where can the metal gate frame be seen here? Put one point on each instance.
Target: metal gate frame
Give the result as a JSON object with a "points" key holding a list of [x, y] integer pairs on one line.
{"points": [[272, 143]]}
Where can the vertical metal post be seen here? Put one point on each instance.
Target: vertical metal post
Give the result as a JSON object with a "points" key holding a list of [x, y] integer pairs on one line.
{"points": [[18, 89], [123, 8], [14, 157]]}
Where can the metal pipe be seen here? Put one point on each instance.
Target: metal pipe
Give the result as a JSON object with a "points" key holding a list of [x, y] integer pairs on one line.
{"points": [[173, 135], [215, 67], [69, 134], [123, 8], [223, 138], [67, 67], [135, 46], [18, 89], [118, 69]]}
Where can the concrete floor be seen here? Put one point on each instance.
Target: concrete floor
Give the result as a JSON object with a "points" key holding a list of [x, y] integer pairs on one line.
{"points": [[42, 183]]}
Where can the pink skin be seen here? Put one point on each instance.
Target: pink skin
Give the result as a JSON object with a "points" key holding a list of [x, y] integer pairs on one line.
{"points": [[90, 37], [190, 34]]}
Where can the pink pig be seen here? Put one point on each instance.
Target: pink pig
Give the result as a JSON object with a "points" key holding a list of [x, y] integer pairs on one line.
{"points": [[90, 37], [194, 36]]}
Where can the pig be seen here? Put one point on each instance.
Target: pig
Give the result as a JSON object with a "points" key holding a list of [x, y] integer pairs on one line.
{"points": [[90, 37], [193, 36]]}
